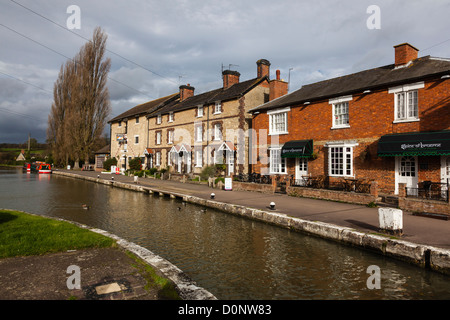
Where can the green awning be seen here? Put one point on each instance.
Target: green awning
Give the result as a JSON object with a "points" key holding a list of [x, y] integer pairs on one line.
{"points": [[415, 144], [297, 149]]}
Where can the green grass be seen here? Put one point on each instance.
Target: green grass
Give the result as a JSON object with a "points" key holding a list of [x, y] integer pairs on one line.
{"points": [[22, 234]]}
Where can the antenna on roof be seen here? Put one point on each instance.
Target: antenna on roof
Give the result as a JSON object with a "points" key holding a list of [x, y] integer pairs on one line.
{"points": [[289, 79]]}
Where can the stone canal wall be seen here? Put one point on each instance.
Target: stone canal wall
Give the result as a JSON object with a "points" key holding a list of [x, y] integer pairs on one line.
{"points": [[425, 256]]}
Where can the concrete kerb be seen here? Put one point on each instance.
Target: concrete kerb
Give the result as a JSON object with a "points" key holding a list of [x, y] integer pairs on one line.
{"points": [[421, 255]]}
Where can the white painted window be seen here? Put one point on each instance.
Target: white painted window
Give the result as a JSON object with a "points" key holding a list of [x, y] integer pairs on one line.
{"points": [[200, 111], [217, 107], [341, 115], [171, 117], [158, 159], [136, 139], [406, 103], [170, 135], [199, 133], [158, 137], [217, 132], [198, 158], [278, 121], [158, 119], [340, 160], [277, 164]]}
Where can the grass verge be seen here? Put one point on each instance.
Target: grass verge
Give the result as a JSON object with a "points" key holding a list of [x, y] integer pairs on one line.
{"points": [[22, 234]]}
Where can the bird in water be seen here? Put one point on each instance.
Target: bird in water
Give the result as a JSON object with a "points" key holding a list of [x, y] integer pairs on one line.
{"points": [[203, 210], [85, 206], [179, 208]]}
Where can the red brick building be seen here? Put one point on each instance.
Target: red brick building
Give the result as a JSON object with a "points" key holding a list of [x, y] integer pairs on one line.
{"points": [[389, 124]]}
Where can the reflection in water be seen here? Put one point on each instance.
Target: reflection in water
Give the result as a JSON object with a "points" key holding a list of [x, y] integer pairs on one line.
{"points": [[232, 257]]}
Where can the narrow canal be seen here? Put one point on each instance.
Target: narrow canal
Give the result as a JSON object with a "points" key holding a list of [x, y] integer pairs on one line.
{"points": [[232, 257]]}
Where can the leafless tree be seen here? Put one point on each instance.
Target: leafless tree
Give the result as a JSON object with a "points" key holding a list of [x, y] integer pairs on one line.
{"points": [[81, 103]]}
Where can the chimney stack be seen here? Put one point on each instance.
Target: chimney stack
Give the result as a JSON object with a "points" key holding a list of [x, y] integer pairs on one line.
{"points": [[186, 92], [229, 78], [277, 87], [405, 53], [263, 69]]}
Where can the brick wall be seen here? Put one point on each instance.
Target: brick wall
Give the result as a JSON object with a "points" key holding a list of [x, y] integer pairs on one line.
{"points": [[370, 117]]}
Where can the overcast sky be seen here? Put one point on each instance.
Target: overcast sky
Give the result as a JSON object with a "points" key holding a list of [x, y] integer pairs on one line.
{"points": [[155, 46]]}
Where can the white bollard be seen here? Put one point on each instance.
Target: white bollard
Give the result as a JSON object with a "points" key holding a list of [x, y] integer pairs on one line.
{"points": [[391, 220]]}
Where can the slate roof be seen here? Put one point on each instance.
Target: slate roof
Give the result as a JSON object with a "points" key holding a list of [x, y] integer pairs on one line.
{"points": [[387, 76], [235, 91], [146, 107]]}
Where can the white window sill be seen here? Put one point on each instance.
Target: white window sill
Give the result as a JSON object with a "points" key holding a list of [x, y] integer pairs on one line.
{"points": [[278, 133], [215, 113], [340, 127], [405, 120], [200, 116], [198, 166], [277, 172]]}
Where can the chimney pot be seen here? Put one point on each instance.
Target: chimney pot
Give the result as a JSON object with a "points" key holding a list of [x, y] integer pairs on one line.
{"points": [[186, 91], [263, 69], [230, 78], [278, 74]]}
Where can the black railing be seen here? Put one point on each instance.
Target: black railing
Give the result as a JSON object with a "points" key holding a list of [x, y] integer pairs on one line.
{"points": [[321, 182], [430, 191]]}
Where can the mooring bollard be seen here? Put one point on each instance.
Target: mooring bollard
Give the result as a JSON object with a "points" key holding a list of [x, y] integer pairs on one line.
{"points": [[391, 220]]}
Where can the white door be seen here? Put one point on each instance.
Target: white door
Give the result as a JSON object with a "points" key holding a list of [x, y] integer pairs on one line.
{"points": [[406, 172], [179, 162], [230, 162], [188, 161], [301, 170]]}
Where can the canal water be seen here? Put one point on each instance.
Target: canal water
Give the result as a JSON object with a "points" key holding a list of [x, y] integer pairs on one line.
{"points": [[230, 256]]}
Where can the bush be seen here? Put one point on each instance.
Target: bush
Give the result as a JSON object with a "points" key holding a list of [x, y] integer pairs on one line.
{"points": [[219, 179], [108, 163], [207, 172], [135, 164], [152, 171]]}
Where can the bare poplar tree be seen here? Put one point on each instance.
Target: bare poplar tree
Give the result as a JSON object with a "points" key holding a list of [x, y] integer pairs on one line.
{"points": [[81, 102]]}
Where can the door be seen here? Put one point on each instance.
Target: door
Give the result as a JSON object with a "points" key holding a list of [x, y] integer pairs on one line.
{"points": [[406, 172], [230, 162], [301, 170]]}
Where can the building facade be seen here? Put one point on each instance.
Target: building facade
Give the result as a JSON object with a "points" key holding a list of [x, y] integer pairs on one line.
{"points": [[389, 124], [212, 127], [129, 132]]}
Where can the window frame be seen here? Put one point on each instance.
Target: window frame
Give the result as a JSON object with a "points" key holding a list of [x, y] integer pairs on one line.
{"points": [[338, 102], [281, 166], [199, 133], [158, 138], [158, 119], [274, 113], [136, 141], [405, 91], [198, 156], [345, 163], [217, 107], [199, 111], [170, 136], [217, 129], [171, 117]]}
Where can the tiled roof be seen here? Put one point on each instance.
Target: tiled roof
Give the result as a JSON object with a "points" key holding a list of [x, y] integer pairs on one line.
{"points": [[209, 97], [145, 108], [372, 79]]}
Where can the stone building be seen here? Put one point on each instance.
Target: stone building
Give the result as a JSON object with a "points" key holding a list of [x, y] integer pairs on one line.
{"points": [[212, 127], [129, 132]]}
